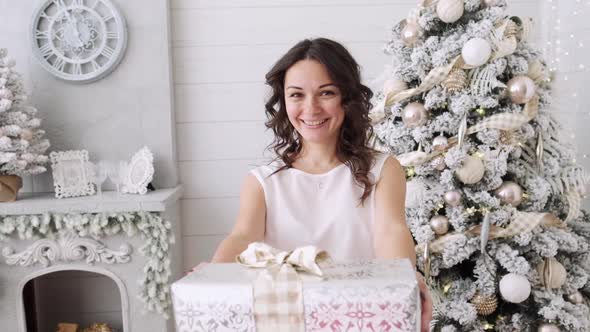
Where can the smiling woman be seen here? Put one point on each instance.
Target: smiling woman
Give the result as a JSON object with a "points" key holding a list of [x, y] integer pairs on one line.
{"points": [[327, 187]]}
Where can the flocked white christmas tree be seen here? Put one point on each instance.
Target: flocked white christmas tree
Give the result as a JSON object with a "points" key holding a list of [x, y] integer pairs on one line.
{"points": [[494, 193], [22, 145]]}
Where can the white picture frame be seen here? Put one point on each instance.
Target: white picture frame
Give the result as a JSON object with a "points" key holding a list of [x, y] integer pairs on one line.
{"points": [[71, 175], [139, 172]]}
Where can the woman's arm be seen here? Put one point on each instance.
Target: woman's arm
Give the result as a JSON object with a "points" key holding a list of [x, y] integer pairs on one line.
{"points": [[250, 223], [392, 238]]}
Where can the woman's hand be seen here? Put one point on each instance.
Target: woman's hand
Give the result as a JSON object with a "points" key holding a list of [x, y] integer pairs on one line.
{"points": [[426, 303]]}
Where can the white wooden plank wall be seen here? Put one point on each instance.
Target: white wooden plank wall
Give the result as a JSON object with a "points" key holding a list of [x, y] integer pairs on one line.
{"points": [[222, 50]]}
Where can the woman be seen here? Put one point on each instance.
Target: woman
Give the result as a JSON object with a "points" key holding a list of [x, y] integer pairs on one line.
{"points": [[328, 187]]}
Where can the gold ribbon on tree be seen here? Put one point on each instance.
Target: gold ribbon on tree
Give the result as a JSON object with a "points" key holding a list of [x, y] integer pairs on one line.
{"points": [[522, 223], [278, 294]]}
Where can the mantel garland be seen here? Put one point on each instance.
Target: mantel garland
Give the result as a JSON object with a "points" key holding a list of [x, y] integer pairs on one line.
{"points": [[156, 231]]}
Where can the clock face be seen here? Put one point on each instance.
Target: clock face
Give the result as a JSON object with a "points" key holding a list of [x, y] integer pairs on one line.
{"points": [[78, 40]]}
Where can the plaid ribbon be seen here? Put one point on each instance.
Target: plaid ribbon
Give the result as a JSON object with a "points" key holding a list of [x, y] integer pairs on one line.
{"points": [[278, 294], [522, 223], [574, 201]]}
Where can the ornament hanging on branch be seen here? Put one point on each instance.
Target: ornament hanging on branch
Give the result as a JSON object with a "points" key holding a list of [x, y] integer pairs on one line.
{"points": [[476, 52], [509, 193], [472, 170], [547, 327], [515, 288], [450, 11], [411, 34], [484, 305], [439, 224], [553, 274], [414, 115], [456, 81], [575, 298], [521, 89], [440, 143], [452, 197]]}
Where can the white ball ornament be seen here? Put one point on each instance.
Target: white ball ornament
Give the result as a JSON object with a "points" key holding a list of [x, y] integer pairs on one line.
{"points": [[476, 52], [546, 327], [440, 143], [515, 288], [521, 89], [414, 115], [450, 11], [472, 170]]}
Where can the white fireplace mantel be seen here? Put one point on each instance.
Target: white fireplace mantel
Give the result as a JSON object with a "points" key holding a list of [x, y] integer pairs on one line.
{"points": [[154, 201], [126, 274]]}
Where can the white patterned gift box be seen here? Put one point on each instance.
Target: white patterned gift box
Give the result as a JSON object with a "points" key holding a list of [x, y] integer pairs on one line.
{"points": [[352, 296]]}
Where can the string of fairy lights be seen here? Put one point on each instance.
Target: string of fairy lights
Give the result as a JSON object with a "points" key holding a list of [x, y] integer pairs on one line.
{"points": [[565, 44]]}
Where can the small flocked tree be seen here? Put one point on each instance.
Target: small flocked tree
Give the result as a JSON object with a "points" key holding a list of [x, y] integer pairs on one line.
{"points": [[494, 193], [22, 145]]}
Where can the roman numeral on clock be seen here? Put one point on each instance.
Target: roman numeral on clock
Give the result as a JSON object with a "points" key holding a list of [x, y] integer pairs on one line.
{"points": [[59, 64], [78, 2], [107, 51], [95, 65], [77, 69], [59, 3], [42, 34], [112, 35], [46, 50]]}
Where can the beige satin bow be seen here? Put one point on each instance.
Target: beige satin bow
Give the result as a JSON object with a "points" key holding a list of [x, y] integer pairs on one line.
{"points": [[278, 293]]}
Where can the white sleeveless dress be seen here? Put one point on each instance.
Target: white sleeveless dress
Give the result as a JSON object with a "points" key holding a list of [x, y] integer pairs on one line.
{"points": [[319, 209]]}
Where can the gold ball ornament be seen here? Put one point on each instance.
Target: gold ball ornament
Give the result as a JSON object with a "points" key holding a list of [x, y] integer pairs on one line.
{"points": [[575, 298], [411, 34], [414, 115], [450, 11], [472, 170], [484, 305], [521, 89], [553, 274], [456, 81], [547, 327], [509, 193], [439, 224], [476, 52], [393, 87]]}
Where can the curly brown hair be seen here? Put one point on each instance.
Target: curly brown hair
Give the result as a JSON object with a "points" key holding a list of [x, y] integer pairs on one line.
{"points": [[353, 148]]}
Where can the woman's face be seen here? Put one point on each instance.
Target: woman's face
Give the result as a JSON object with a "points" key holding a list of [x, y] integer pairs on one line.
{"points": [[313, 102]]}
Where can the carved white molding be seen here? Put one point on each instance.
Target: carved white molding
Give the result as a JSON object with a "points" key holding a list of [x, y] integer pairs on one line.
{"points": [[67, 247]]}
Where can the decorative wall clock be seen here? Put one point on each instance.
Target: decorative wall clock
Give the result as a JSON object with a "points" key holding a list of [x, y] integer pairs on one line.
{"points": [[78, 40]]}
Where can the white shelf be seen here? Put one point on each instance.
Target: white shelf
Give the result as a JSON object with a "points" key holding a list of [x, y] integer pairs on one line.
{"points": [[154, 201]]}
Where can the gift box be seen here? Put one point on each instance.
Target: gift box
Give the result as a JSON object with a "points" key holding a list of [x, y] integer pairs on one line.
{"points": [[375, 295]]}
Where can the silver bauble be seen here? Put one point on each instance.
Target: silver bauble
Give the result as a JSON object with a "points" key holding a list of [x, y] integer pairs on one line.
{"points": [[576, 298], [439, 224], [546, 327], [509, 193], [440, 143], [411, 34], [521, 89], [515, 288], [414, 115], [452, 197]]}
